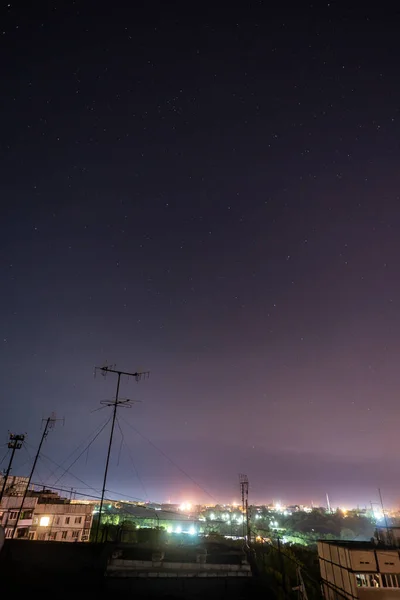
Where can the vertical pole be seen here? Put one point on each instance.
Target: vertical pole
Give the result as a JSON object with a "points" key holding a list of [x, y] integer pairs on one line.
{"points": [[15, 443], [108, 456], [7, 472], [243, 513], [247, 518], [48, 421], [384, 516], [282, 565]]}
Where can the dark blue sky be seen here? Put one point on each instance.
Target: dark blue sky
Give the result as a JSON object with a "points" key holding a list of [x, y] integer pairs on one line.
{"points": [[213, 197]]}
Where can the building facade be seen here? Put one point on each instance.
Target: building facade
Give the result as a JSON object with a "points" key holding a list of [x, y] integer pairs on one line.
{"points": [[362, 570], [15, 485], [48, 520], [9, 509]]}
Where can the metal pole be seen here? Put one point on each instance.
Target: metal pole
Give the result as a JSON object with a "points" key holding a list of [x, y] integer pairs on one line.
{"points": [[282, 565], [108, 455], [384, 515], [48, 421]]}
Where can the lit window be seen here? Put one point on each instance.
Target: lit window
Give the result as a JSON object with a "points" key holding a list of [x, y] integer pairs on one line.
{"points": [[368, 580], [44, 521]]}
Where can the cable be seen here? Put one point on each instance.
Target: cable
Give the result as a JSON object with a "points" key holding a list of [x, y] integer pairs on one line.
{"points": [[83, 451], [5, 456], [76, 449], [75, 476], [122, 441], [171, 461], [132, 461], [24, 445]]}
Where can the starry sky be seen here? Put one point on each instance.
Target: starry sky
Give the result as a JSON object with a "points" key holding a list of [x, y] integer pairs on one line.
{"points": [[211, 195]]}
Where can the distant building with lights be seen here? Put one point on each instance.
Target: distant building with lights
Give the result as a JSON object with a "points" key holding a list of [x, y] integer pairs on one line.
{"points": [[46, 517], [360, 569]]}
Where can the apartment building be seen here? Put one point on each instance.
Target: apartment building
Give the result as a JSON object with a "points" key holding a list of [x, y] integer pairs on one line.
{"points": [[9, 509], [362, 570], [46, 517], [62, 522]]}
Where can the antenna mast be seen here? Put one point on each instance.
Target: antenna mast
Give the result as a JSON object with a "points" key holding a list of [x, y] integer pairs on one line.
{"points": [[244, 489], [49, 424], [115, 404]]}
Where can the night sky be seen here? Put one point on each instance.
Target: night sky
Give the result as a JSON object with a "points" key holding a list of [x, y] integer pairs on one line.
{"points": [[210, 193]]}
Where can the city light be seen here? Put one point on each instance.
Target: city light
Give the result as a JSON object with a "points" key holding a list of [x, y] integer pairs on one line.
{"points": [[192, 531], [169, 529], [378, 514], [44, 521], [185, 506], [178, 529]]}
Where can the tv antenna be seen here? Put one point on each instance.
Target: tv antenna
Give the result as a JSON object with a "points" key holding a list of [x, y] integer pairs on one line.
{"points": [[117, 403], [50, 423]]}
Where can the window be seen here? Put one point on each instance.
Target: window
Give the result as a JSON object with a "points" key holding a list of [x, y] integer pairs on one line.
{"points": [[368, 580], [64, 535], [391, 580], [44, 521], [53, 536], [9, 533], [75, 534], [32, 535], [58, 520], [78, 519], [41, 536], [13, 515], [67, 519]]}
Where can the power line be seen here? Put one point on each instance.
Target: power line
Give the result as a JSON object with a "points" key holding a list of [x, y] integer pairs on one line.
{"points": [[77, 448], [171, 461], [5, 456], [132, 461], [84, 450], [72, 474]]}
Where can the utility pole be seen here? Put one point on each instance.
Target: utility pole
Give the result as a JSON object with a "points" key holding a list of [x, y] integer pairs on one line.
{"points": [[244, 489], [328, 504], [384, 514], [49, 424], [115, 404], [14, 444], [282, 566]]}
